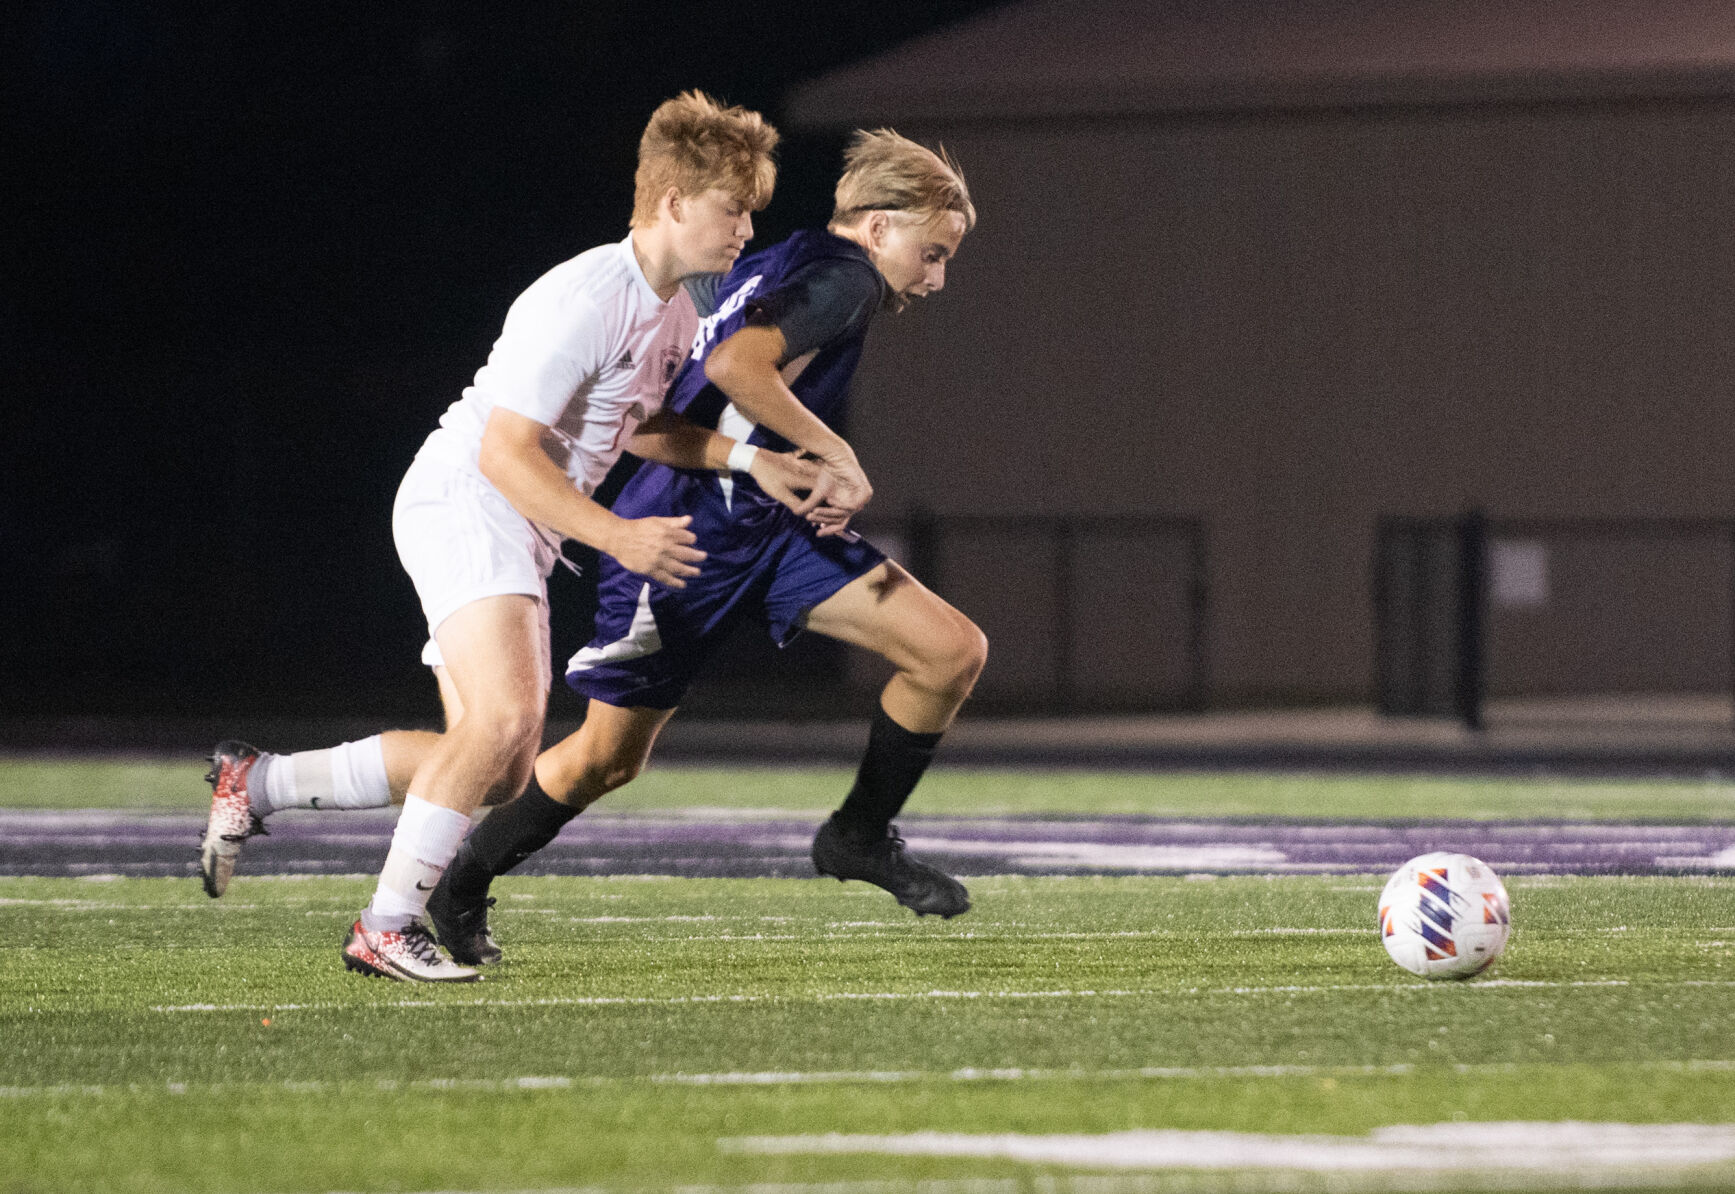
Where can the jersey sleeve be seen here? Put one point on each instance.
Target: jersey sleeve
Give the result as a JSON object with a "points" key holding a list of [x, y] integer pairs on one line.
{"points": [[546, 352], [818, 304], [703, 290]]}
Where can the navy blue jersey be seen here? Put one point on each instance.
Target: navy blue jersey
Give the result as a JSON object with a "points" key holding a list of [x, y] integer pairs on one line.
{"points": [[778, 286], [762, 561]]}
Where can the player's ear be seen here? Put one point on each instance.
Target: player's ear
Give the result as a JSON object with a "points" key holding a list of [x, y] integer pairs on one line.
{"points": [[879, 223], [672, 202]]}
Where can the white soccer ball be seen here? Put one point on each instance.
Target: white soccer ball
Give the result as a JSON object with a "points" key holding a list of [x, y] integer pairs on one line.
{"points": [[1444, 915]]}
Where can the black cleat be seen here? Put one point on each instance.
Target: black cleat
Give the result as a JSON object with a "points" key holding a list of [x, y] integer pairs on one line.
{"points": [[882, 860], [463, 930]]}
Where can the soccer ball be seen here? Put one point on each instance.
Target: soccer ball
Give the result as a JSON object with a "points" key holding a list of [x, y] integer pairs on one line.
{"points": [[1444, 915]]}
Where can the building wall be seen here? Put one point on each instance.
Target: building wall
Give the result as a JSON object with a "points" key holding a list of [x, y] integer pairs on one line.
{"points": [[1290, 323]]}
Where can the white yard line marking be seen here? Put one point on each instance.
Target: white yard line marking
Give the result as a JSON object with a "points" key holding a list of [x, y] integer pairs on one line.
{"points": [[1582, 1149], [1493, 984], [535, 1082], [636, 920], [1037, 855]]}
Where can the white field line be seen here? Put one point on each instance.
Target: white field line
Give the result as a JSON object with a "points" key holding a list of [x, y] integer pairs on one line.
{"points": [[635, 920], [1493, 984], [1172, 1182], [73, 905], [927, 1185], [990, 935], [1008, 931], [538, 1082], [1583, 1149]]}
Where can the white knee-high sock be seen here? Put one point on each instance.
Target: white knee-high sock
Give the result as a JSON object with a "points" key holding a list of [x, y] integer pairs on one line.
{"points": [[352, 775], [423, 844]]}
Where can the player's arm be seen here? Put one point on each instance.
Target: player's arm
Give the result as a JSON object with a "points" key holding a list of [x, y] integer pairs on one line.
{"points": [[755, 365], [748, 367], [513, 461], [669, 439]]}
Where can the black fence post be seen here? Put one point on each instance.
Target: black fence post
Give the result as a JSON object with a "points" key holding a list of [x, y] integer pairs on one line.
{"points": [[1064, 691], [1472, 589], [924, 546], [1199, 596]]}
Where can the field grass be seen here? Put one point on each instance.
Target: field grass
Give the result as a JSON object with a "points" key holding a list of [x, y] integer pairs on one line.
{"points": [[178, 787], [641, 1028]]}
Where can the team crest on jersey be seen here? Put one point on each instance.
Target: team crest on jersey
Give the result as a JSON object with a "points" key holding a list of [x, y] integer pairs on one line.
{"points": [[672, 358]]}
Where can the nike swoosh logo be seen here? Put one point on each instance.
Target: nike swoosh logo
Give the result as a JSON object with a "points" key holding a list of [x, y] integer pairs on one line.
{"points": [[425, 887]]}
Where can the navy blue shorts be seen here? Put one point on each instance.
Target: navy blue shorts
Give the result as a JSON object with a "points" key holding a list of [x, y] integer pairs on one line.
{"points": [[762, 563]]}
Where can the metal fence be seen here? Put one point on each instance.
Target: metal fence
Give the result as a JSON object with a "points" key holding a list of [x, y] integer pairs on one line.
{"points": [[1471, 608], [1083, 614]]}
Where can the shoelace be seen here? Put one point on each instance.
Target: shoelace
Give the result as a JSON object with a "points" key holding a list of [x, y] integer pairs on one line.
{"points": [[420, 942]]}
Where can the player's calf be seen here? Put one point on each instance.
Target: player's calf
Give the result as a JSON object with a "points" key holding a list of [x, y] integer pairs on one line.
{"points": [[249, 785], [513, 832]]}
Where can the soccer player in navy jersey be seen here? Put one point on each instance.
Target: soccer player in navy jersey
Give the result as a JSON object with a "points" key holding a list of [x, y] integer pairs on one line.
{"points": [[769, 368]]}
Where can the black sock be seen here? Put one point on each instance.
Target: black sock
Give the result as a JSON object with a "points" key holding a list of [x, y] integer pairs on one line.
{"points": [[889, 772], [505, 838]]}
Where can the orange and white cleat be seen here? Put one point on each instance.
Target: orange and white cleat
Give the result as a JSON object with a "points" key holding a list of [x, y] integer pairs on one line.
{"points": [[408, 954], [233, 820]]}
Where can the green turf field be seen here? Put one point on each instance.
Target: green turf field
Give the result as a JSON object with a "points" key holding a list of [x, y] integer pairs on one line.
{"points": [[644, 1031], [145, 784]]}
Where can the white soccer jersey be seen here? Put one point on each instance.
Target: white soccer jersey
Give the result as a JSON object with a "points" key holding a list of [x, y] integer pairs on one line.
{"points": [[586, 351]]}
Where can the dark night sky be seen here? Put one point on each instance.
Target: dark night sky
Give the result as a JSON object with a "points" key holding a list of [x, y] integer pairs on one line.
{"points": [[255, 253]]}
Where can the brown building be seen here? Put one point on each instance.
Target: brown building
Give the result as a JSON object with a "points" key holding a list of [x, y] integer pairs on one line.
{"points": [[1289, 267]]}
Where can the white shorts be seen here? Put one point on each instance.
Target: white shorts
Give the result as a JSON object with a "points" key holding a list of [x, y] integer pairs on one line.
{"points": [[461, 541]]}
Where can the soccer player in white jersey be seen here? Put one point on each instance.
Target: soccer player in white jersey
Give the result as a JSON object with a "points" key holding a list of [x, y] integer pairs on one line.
{"points": [[577, 375], [773, 366]]}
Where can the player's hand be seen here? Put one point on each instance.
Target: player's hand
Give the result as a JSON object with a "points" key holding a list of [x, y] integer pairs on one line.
{"points": [[841, 486], [828, 521], [785, 476], [659, 549]]}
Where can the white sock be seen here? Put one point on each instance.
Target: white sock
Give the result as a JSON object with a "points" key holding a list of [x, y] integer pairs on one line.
{"points": [[423, 844], [352, 775]]}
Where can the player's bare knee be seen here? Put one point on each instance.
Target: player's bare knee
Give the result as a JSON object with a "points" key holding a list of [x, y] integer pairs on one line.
{"points": [[511, 733], [950, 666], [975, 648], [969, 657], [583, 768], [617, 773]]}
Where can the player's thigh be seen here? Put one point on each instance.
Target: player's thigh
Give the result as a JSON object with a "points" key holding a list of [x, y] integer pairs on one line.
{"points": [[450, 702], [894, 615], [494, 652]]}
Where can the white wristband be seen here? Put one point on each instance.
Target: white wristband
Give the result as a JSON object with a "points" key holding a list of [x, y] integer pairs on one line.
{"points": [[741, 456]]}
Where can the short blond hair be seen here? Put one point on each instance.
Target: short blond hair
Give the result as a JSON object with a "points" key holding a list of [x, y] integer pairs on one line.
{"points": [[883, 171], [694, 143]]}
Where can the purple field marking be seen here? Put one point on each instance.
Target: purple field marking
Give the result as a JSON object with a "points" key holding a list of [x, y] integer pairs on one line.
{"points": [[85, 843]]}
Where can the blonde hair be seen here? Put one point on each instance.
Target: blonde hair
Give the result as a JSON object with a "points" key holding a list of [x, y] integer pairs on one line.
{"points": [[883, 171], [694, 143]]}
